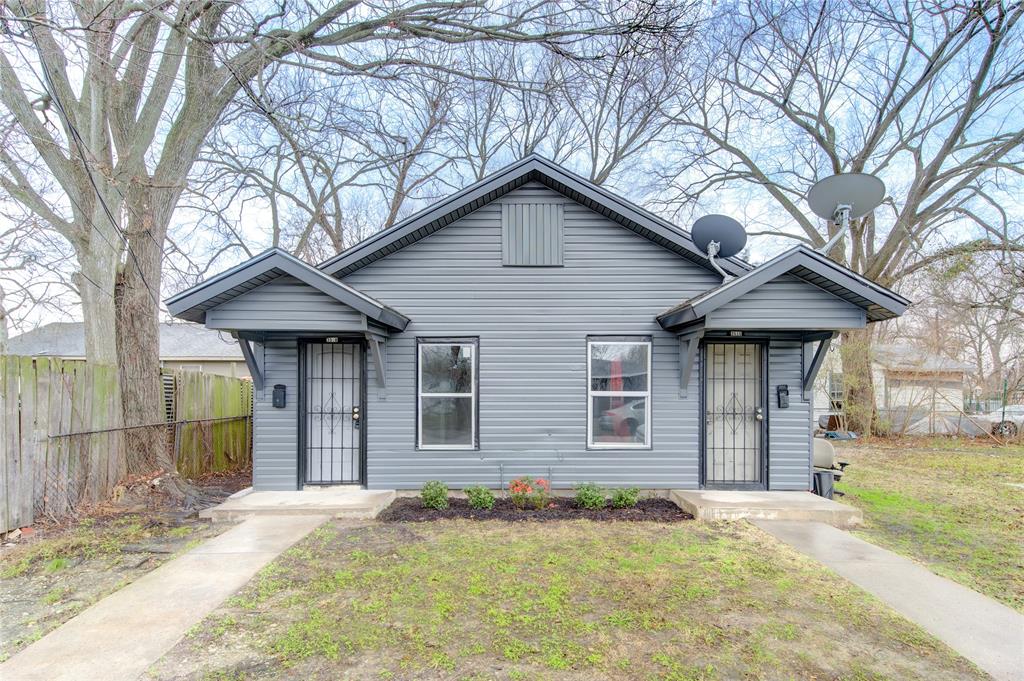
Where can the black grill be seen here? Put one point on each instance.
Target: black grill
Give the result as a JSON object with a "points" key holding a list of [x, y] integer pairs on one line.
{"points": [[331, 406], [734, 414]]}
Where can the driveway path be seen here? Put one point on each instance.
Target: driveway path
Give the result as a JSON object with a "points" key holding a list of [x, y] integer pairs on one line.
{"points": [[985, 632], [118, 638]]}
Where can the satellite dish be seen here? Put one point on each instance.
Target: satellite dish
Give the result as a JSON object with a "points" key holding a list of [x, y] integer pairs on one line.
{"points": [[722, 229], [844, 197], [718, 235], [861, 193]]}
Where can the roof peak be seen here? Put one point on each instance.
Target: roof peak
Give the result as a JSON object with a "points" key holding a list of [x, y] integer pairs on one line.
{"points": [[530, 167]]}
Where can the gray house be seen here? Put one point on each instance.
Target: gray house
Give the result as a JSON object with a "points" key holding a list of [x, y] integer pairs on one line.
{"points": [[534, 324]]}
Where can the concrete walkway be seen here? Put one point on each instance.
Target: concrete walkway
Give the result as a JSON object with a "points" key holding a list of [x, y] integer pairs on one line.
{"points": [[985, 632], [118, 638]]}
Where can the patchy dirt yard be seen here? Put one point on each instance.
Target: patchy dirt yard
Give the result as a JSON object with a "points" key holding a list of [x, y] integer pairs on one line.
{"points": [[459, 599], [53, 571], [951, 504]]}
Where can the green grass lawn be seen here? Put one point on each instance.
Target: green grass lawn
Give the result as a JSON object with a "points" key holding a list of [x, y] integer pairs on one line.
{"points": [[565, 600], [946, 504]]}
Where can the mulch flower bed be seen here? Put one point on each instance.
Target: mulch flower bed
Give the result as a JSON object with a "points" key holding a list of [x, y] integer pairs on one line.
{"points": [[411, 509]]}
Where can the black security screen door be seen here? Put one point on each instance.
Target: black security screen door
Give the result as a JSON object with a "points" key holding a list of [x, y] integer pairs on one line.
{"points": [[332, 448], [733, 415]]}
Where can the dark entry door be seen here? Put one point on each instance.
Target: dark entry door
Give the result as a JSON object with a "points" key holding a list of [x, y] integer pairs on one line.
{"points": [[734, 415], [332, 448]]}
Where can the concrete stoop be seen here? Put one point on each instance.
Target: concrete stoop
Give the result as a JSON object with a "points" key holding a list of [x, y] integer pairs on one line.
{"points": [[337, 502], [736, 505]]}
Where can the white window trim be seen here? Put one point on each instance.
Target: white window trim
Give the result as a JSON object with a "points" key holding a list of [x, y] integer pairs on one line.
{"points": [[420, 394], [591, 394]]}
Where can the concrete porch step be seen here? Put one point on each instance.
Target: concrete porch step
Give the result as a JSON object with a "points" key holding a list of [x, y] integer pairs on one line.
{"points": [[336, 502], [729, 505]]}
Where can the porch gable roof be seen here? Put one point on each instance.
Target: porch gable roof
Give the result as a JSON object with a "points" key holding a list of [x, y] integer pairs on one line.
{"points": [[878, 302], [193, 303]]}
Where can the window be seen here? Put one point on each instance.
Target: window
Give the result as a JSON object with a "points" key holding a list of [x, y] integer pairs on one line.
{"points": [[446, 394], [619, 394], [835, 390]]}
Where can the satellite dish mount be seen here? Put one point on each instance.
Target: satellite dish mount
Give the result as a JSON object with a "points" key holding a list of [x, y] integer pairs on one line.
{"points": [[719, 236], [842, 198]]}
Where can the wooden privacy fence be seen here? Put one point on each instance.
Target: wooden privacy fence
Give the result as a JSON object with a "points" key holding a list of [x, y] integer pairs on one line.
{"points": [[212, 423], [43, 397], [64, 447]]}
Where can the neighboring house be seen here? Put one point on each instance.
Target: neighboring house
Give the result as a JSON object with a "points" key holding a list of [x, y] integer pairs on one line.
{"points": [[910, 383], [916, 391], [534, 324], [187, 347]]}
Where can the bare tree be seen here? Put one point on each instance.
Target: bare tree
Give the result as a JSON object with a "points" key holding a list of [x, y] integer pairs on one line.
{"points": [[317, 155], [35, 263], [293, 144], [116, 100], [975, 304], [406, 140], [621, 104], [34, 275], [535, 119], [923, 94], [477, 132]]}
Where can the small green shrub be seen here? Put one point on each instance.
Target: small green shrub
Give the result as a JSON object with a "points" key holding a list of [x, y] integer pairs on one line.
{"points": [[590, 495], [625, 498], [480, 497], [435, 495]]}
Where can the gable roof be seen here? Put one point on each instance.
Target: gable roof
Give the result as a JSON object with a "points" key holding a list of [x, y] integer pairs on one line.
{"points": [[909, 358], [193, 303], [532, 168], [878, 302], [178, 341]]}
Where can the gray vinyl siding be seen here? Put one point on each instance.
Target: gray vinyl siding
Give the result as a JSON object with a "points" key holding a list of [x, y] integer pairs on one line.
{"points": [[532, 234], [284, 304], [532, 324], [275, 431], [787, 303], [789, 460]]}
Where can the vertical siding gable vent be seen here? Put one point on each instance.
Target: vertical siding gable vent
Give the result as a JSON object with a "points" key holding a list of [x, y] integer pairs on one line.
{"points": [[531, 234]]}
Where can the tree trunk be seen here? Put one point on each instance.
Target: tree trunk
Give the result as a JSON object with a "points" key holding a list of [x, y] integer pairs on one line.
{"points": [[138, 344], [95, 279], [3, 325], [858, 384]]}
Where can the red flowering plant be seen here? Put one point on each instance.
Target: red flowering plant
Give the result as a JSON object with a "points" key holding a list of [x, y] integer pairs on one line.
{"points": [[529, 493]]}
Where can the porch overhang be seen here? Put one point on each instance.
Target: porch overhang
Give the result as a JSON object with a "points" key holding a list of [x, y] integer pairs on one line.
{"points": [[201, 302], [853, 301]]}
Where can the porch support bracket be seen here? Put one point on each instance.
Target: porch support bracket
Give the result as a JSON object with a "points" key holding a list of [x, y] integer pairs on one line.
{"points": [[377, 350], [250, 362], [689, 344], [816, 361]]}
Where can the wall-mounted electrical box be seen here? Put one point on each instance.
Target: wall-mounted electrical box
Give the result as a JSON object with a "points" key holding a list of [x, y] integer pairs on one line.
{"points": [[279, 396], [783, 393]]}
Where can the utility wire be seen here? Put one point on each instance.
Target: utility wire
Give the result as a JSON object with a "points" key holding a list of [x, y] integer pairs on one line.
{"points": [[76, 138], [75, 203]]}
